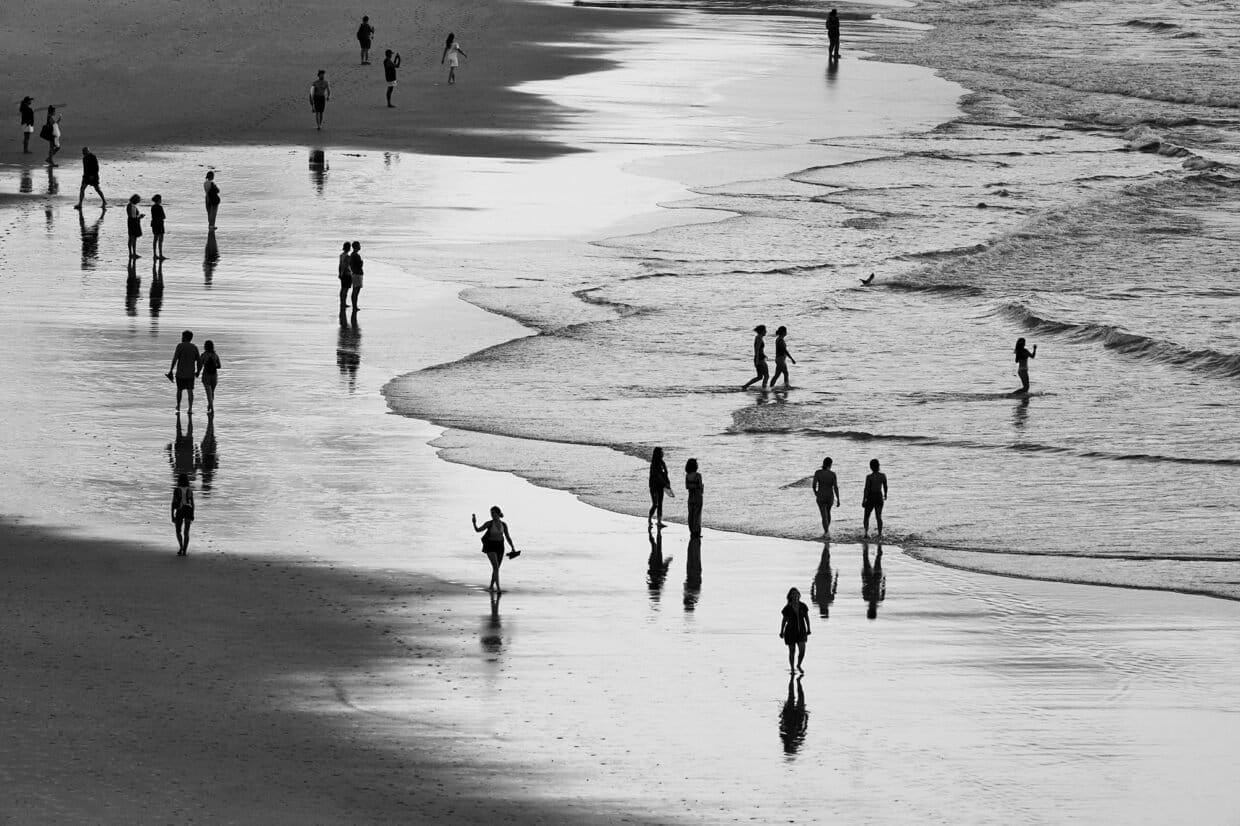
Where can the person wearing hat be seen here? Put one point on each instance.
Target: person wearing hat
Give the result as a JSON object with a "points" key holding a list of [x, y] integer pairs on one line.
{"points": [[27, 114]]}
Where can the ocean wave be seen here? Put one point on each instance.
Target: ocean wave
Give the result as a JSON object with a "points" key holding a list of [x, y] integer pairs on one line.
{"points": [[1153, 25]]}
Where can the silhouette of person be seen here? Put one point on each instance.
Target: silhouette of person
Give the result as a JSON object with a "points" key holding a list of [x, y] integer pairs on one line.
{"points": [[492, 637], [826, 583], [873, 580], [826, 492], [693, 573], [320, 93], [209, 370], [452, 52], [693, 484], [794, 629], [157, 287], [90, 177], [185, 365], [494, 532], [1022, 363], [212, 193], [158, 216], [27, 116], [660, 483], [391, 63], [182, 512], [833, 36], [759, 358], [345, 275], [656, 567], [51, 134], [793, 718], [355, 271], [365, 36], [133, 221], [874, 496], [781, 357]]}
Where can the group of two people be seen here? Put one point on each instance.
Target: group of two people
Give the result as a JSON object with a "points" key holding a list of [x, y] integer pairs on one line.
{"points": [[661, 485], [188, 364], [50, 131], [350, 270], [826, 489], [782, 358]]}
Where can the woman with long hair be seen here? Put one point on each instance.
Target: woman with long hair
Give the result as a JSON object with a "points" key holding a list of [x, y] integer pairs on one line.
{"points": [[1022, 363], [494, 532], [659, 484]]}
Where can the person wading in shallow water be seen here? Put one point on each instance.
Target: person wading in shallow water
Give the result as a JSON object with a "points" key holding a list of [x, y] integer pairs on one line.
{"points": [[494, 532], [826, 492], [759, 358], [874, 497], [1022, 363], [781, 357]]}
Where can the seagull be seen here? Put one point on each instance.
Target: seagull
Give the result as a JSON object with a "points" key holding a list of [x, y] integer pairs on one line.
{"points": [[865, 282]]}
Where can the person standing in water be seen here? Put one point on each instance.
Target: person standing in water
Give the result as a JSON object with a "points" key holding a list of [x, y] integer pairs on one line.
{"points": [[212, 192], [157, 227], [355, 271], [133, 218], [494, 533], [365, 36], [660, 483], [27, 116], [320, 93], [826, 493], [345, 274], [1022, 363], [452, 52], [182, 512], [833, 36], [209, 371], [781, 357], [759, 358], [390, 65], [873, 498], [794, 629], [90, 177], [693, 484], [185, 366]]}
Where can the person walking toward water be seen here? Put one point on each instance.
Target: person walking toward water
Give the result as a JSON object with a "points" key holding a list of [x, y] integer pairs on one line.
{"points": [[660, 483], [209, 370], [185, 366], [51, 134], [874, 496], [133, 219], [345, 274], [320, 93], [90, 177], [157, 227], [390, 65], [494, 532], [794, 629], [1022, 363], [693, 484], [355, 271], [759, 358], [833, 36], [826, 493], [182, 512], [452, 52], [212, 192], [365, 35], [27, 115], [781, 357]]}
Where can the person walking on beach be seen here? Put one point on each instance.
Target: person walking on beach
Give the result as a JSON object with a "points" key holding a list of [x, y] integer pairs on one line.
{"points": [[494, 532], [874, 496], [1022, 363], [133, 219], [660, 484], [27, 115], [693, 484], [51, 134], [826, 493], [185, 366], [873, 580], [182, 512], [320, 93], [345, 274], [355, 271], [365, 35], [212, 191], [759, 358], [157, 227], [833, 36], [794, 629], [90, 177], [209, 370], [390, 65], [452, 52], [781, 357]]}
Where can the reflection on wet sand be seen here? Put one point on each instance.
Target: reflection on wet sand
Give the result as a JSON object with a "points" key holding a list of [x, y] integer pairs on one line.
{"points": [[183, 453], [349, 348], [873, 580], [90, 240], [210, 258], [693, 573], [156, 290], [53, 183], [656, 567], [209, 457], [318, 170], [133, 286], [1020, 413], [826, 583], [27, 183], [492, 637], [793, 718]]}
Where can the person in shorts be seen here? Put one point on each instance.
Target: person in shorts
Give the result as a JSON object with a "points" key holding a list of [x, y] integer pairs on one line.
{"points": [[874, 496], [27, 116], [345, 274], [320, 93], [90, 177], [184, 367], [826, 492], [390, 64], [365, 35], [494, 532], [158, 215], [355, 271], [51, 134]]}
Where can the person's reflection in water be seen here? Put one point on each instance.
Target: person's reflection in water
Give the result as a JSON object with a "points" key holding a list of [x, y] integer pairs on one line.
{"points": [[826, 582], [873, 581], [183, 453], [794, 718], [349, 348], [53, 183], [133, 286], [656, 568], [492, 636], [693, 573], [318, 170], [1020, 414], [210, 258], [27, 183], [209, 458], [90, 240], [156, 292], [833, 68]]}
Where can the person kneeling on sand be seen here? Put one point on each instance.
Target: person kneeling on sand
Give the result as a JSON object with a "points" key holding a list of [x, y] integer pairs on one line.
{"points": [[494, 532]]}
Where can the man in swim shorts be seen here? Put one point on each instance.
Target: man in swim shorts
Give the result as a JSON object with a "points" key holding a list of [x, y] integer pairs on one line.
{"points": [[390, 65], [185, 365], [320, 93], [90, 177], [874, 497], [826, 492], [365, 34]]}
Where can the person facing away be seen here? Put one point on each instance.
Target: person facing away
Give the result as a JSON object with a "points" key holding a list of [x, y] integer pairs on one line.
{"points": [[833, 35], [212, 192], [873, 580], [390, 65], [133, 220], [90, 177], [355, 271], [1022, 363], [660, 483], [185, 366], [26, 112], [693, 484], [759, 357], [826, 492], [182, 512], [345, 274], [365, 35], [209, 369], [51, 134], [158, 216], [320, 93], [794, 629], [494, 532], [873, 497], [452, 52], [781, 357]]}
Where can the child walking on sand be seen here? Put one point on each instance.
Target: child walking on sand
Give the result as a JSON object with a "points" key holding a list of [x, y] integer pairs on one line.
{"points": [[494, 532], [182, 512], [794, 629]]}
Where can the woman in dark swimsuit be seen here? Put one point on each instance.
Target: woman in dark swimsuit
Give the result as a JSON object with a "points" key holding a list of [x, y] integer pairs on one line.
{"points": [[794, 629], [494, 532], [781, 357], [759, 358], [1022, 363], [134, 219], [659, 485]]}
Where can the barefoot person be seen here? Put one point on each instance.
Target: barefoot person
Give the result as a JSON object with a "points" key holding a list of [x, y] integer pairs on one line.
{"points": [[345, 274], [27, 116], [158, 215], [184, 367], [320, 93], [51, 134], [659, 485], [90, 177], [874, 496], [209, 370], [365, 35], [833, 36], [1022, 363], [390, 65], [212, 192], [759, 358], [494, 533], [133, 220], [794, 629], [693, 484], [355, 271], [826, 492], [781, 357], [452, 52], [182, 512]]}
